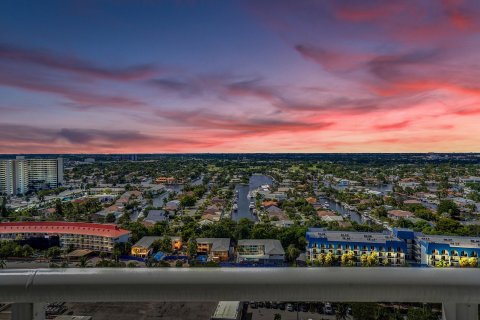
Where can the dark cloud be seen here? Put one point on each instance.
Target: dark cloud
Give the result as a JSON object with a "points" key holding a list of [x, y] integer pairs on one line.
{"points": [[13, 54], [80, 140], [241, 125]]}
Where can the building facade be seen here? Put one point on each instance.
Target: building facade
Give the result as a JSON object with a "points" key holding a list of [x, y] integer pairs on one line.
{"points": [[388, 248], [396, 248], [263, 251], [440, 250], [217, 249], [20, 175], [92, 236]]}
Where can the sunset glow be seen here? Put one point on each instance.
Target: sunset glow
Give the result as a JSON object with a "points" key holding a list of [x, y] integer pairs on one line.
{"points": [[239, 76]]}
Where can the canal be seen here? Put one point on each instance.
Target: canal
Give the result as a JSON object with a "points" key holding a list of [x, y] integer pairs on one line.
{"points": [[243, 202], [344, 212]]}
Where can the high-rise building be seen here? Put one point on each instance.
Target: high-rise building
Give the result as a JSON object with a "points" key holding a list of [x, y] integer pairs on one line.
{"points": [[20, 175]]}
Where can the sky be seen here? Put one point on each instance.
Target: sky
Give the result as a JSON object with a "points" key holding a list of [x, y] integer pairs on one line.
{"points": [[146, 76]]}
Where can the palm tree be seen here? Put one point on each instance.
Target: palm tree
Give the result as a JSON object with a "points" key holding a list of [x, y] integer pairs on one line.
{"points": [[341, 311], [83, 262], [292, 253], [3, 264]]}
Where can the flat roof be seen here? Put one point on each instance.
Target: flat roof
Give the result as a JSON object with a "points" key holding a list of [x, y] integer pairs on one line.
{"points": [[226, 310], [452, 241], [363, 237], [60, 227]]}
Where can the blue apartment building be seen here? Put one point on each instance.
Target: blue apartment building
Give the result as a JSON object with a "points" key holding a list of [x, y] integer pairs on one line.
{"points": [[429, 250], [398, 247], [387, 246]]}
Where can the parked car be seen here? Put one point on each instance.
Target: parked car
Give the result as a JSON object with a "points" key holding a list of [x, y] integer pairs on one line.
{"points": [[274, 305], [253, 305], [268, 304], [290, 307], [261, 304], [328, 308], [281, 306]]}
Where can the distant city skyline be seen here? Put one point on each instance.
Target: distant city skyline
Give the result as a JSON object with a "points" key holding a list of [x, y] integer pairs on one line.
{"points": [[239, 76]]}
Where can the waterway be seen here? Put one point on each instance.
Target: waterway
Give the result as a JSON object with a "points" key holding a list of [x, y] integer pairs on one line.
{"points": [[243, 202], [337, 207]]}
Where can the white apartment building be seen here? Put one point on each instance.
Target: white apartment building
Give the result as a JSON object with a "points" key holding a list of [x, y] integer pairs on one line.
{"points": [[18, 176]]}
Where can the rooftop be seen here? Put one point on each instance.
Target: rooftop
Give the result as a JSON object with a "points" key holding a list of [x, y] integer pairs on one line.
{"points": [[371, 237], [218, 244], [56, 227], [272, 246], [146, 241], [453, 241]]}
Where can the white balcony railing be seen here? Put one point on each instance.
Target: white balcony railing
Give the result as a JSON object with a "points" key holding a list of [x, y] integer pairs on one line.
{"points": [[457, 289]]}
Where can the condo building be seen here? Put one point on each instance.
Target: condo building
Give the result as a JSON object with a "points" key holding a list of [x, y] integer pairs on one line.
{"points": [[20, 175], [387, 246], [398, 247], [91, 236], [435, 250]]}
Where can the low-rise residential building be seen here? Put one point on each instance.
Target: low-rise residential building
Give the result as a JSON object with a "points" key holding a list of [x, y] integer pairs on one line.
{"points": [[166, 180], [172, 205], [396, 248], [400, 214], [92, 236], [153, 217], [264, 251], [143, 247], [388, 247], [440, 250], [217, 249]]}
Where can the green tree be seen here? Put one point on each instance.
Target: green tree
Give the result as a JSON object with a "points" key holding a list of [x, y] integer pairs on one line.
{"points": [[82, 263], [3, 264], [292, 253], [110, 218], [58, 208], [277, 316], [447, 226], [53, 252], [27, 251], [424, 313], [3, 209], [166, 244], [341, 311], [364, 311], [192, 247], [449, 207]]}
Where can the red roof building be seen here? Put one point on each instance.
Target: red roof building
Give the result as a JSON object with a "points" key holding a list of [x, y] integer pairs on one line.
{"points": [[93, 236]]}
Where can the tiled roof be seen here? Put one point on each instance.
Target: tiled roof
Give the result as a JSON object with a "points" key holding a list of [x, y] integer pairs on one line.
{"points": [[95, 229]]}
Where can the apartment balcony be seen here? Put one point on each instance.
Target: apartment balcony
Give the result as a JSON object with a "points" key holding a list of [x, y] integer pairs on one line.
{"points": [[457, 289]]}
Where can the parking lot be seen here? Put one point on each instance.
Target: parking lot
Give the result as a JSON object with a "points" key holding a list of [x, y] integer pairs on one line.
{"points": [[289, 311], [261, 314]]}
